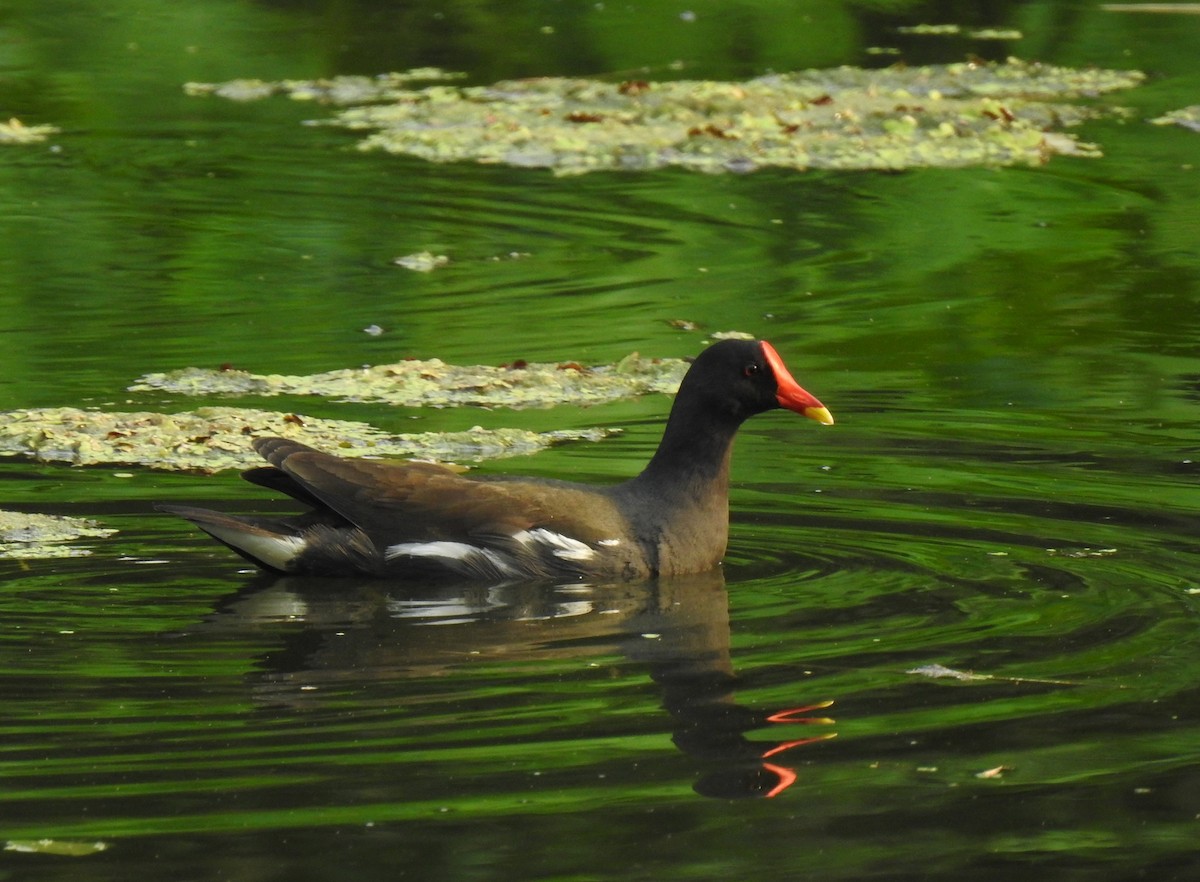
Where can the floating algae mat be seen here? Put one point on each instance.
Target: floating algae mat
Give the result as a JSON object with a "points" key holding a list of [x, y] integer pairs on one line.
{"points": [[1187, 117], [844, 118], [214, 438], [433, 383], [25, 536]]}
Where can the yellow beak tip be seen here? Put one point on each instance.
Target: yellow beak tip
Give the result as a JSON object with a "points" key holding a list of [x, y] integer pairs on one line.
{"points": [[820, 414]]}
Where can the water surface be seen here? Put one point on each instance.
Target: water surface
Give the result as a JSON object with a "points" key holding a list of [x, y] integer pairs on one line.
{"points": [[1008, 499]]}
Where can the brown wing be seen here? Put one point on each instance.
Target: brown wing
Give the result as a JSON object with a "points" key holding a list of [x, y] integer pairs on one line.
{"points": [[417, 501], [536, 527]]}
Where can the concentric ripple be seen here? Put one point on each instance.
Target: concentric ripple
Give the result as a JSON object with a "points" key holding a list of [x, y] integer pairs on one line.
{"points": [[973, 618]]}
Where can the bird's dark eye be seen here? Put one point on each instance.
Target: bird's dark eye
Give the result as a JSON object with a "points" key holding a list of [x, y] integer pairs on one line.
{"points": [[750, 370]]}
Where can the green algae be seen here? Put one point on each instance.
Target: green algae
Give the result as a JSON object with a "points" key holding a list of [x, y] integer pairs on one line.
{"points": [[332, 90], [16, 132], [30, 536], [1187, 117], [211, 439], [954, 115], [433, 383]]}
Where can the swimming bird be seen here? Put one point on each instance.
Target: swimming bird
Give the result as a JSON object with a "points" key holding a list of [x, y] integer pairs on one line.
{"points": [[370, 517]]}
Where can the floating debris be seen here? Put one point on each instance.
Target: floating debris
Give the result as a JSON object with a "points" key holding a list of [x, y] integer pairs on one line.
{"points": [[214, 438], [433, 383], [25, 536], [1188, 117], [16, 132], [954, 115], [422, 261]]}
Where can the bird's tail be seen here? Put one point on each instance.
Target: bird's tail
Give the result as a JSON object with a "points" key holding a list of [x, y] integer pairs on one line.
{"points": [[265, 543]]}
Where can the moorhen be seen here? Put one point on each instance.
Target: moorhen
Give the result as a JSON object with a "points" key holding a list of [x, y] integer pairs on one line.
{"points": [[391, 519]]}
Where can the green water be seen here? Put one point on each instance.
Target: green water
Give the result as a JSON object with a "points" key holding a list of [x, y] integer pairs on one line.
{"points": [[1011, 490]]}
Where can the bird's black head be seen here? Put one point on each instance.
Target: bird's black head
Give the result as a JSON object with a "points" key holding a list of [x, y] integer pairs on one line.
{"points": [[737, 379]]}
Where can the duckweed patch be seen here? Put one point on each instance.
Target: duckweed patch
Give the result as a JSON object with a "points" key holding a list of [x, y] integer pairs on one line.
{"points": [[954, 115], [30, 536], [433, 383], [210, 439]]}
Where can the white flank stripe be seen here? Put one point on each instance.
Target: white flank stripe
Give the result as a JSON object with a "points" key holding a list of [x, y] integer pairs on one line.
{"points": [[563, 547], [451, 550], [456, 555]]}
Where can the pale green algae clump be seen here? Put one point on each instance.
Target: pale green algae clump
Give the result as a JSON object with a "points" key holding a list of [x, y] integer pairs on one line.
{"points": [[422, 261], [332, 90], [433, 383], [25, 536], [214, 438], [1187, 117], [16, 132], [954, 115]]}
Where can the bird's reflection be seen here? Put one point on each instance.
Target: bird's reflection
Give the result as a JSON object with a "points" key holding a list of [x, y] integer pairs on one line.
{"points": [[677, 629]]}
